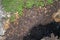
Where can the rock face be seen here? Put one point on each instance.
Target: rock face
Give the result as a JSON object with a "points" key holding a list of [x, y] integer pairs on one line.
{"points": [[2, 20], [2, 15]]}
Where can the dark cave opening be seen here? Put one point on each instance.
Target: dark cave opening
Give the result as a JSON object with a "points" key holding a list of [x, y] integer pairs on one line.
{"points": [[40, 31]]}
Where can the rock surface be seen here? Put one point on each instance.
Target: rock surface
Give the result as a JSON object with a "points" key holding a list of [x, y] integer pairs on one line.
{"points": [[2, 15]]}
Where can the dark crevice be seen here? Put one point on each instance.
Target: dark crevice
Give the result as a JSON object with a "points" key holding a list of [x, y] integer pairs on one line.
{"points": [[41, 31]]}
